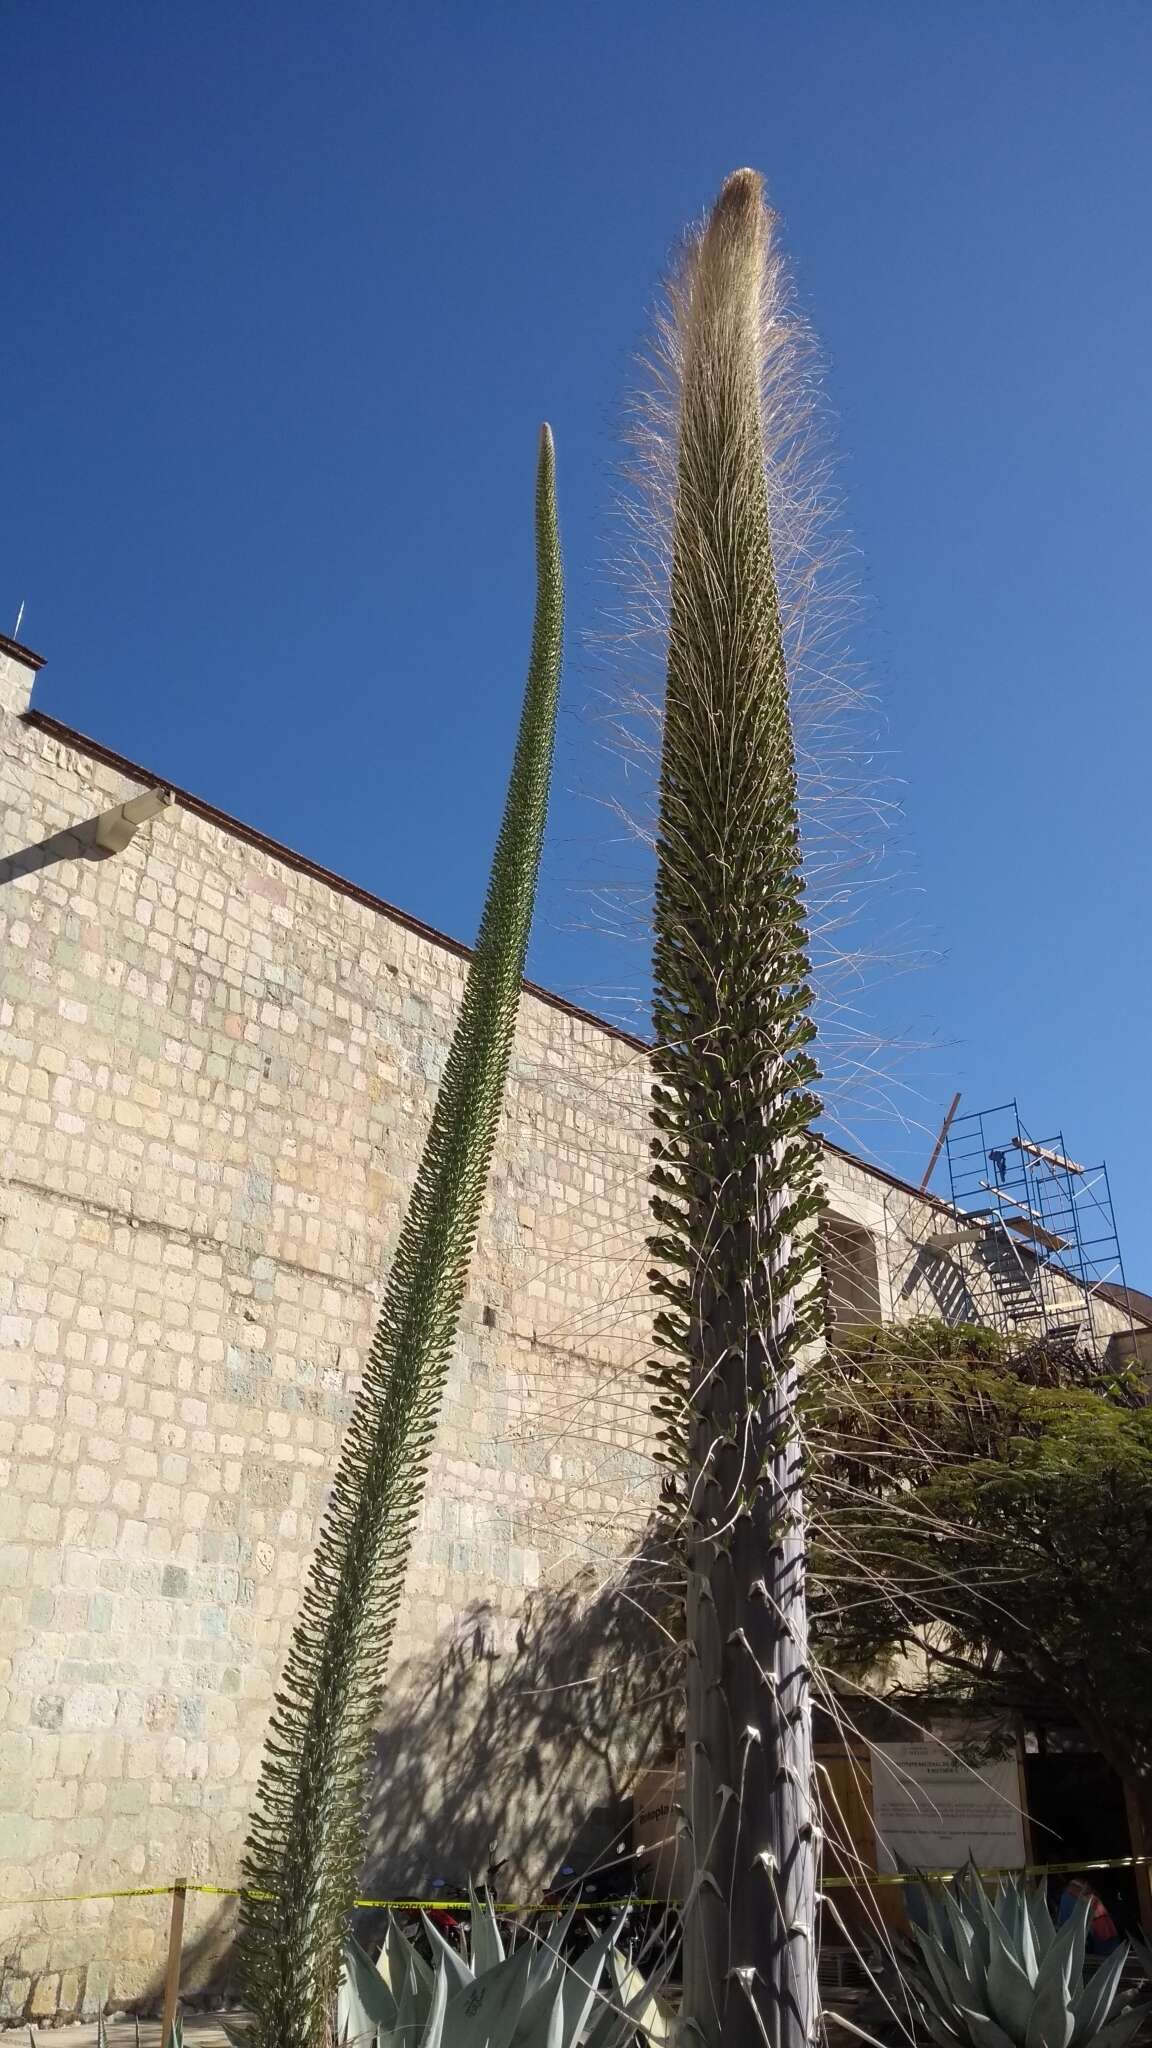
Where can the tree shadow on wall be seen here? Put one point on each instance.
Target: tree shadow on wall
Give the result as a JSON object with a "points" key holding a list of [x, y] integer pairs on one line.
{"points": [[520, 1741], [526, 1733], [207, 1975]]}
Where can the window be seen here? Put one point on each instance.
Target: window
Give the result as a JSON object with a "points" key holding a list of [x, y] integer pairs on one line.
{"points": [[848, 1259]]}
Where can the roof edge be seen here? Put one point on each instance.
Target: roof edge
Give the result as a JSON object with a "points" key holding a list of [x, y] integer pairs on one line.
{"points": [[19, 652], [54, 728], [68, 736]]}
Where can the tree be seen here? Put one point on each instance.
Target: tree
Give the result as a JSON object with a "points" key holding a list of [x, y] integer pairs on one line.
{"points": [[735, 1170], [307, 1835], [985, 1515]]}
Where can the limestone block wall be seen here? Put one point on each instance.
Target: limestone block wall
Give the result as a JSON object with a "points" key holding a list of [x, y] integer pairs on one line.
{"points": [[217, 1064], [215, 1074]]}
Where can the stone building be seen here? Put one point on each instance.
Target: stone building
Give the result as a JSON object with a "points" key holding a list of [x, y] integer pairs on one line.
{"points": [[217, 1062]]}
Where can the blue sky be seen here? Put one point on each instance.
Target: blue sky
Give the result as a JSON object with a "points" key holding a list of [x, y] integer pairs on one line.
{"points": [[289, 289]]}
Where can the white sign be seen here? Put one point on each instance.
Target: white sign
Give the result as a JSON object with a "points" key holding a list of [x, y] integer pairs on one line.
{"points": [[932, 1811]]}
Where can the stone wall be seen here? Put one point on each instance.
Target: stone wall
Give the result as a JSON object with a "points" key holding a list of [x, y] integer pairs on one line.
{"points": [[216, 1068]]}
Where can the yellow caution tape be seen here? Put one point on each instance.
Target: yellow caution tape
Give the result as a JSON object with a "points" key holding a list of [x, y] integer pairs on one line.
{"points": [[140, 1891], [998, 1870], [226, 1891]]}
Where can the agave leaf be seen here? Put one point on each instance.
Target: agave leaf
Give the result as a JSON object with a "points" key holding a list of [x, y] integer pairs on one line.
{"points": [[444, 1955], [1030, 1953], [416, 1996], [487, 1947], [1024, 1941], [968, 1923], [1051, 2023], [968, 1938], [1120, 2030], [922, 1906], [611, 2025], [488, 2012], [931, 2000], [1040, 1920], [552, 2035], [982, 1909], [952, 1928], [639, 1997], [1093, 2002], [927, 1964], [364, 2001], [582, 1978], [433, 2035], [944, 2035], [610, 2028], [539, 2002], [953, 1983], [547, 1952], [1011, 1996], [1012, 1913], [945, 2029], [541, 2019], [1064, 1963], [557, 1941], [399, 1959], [390, 1966], [983, 2031]]}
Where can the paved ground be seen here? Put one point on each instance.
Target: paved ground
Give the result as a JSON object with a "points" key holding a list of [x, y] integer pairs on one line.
{"points": [[201, 2030]]}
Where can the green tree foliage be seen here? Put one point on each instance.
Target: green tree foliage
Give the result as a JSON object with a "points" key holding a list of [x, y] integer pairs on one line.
{"points": [[735, 1169], [307, 1834], [985, 1515]]}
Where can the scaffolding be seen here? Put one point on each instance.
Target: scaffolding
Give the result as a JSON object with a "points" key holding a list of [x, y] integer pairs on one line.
{"points": [[1035, 1230]]}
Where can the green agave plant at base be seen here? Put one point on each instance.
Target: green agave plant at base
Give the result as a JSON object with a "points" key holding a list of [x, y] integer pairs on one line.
{"points": [[530, 1998], [998, 1973]]}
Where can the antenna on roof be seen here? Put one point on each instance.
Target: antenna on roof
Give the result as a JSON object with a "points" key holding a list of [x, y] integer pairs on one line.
{"points": [[19, 616]]}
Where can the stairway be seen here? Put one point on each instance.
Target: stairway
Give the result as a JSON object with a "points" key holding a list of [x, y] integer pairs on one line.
{"points": [[1019, 1297]]}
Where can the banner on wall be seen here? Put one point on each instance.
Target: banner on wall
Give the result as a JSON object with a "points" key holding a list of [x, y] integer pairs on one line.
{"points": [[932, 1810]]}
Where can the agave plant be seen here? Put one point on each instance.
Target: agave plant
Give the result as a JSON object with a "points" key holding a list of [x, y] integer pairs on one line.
{"points": [[736, 1172], [998, 1973], [489, 1998], [307, 1834]]}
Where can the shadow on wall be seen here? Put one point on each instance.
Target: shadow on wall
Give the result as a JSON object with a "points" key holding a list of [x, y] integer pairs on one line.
{"points": [[943, 1281], [206, 1973], [78, 842], [52, 1995], [488, 1753], [531, 1746]]}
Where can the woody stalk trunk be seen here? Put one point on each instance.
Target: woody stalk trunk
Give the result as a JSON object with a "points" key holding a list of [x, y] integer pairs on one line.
{"points": [[735, 1168]]}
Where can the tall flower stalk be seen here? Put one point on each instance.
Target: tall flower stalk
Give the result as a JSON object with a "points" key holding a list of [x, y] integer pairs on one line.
{"points": [[307, 1835], [735, 1170]]}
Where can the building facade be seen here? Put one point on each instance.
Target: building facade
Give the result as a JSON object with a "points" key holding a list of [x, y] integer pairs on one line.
{"points": [[217, 1064]]}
